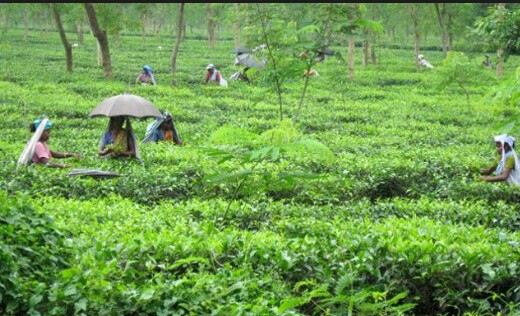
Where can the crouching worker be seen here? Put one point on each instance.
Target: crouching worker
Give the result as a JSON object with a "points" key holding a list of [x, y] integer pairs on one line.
{"points": [[38, 151], [506, 164], [118, 141], [162, 129], [423, 62], [214, 76], [146, 77], [487, 62]]}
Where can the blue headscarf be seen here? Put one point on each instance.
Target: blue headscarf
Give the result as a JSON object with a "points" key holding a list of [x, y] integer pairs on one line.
{"points": [[148, 69], [37, 122]]}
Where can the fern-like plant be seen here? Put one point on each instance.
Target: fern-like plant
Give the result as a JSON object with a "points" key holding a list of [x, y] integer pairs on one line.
{"points": [[258, 163]]}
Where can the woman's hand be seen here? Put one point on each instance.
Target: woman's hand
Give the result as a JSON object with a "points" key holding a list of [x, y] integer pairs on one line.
{"points": [[71, 155], [105, 152]]}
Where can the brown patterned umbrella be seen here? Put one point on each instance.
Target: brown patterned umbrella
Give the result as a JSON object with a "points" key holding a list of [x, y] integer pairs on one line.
{"points": [[126, 105]]}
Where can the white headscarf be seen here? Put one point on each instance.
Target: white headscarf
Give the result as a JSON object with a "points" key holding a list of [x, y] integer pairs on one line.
{"points": [[28, 151], [514, 176]]}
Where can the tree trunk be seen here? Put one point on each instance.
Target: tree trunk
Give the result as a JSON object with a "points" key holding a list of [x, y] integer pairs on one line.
{"points": [[40, 23], [143, 26], [26, 22], [6, 22], [180, 25], [63, 36], [99, 54], [373, 38], [117, 38], [183, 29], [102, 40], [351, 56], [373, 55], [365, 50], [270, 57], [246, 11], [236, 25], [211, 25], [79, 31], [500, 50], [413, 12], [352, 43], [48, 21], [417, 46], [161, 20], [450, 32], [441, 15], [500, 62]]}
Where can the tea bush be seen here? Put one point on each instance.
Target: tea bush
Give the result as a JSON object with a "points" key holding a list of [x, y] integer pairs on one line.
{"points": [[370, 204], [34, 252]]}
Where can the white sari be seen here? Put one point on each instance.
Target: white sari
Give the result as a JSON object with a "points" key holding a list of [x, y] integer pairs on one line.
{"points": [[514, 175], [28, 151]]}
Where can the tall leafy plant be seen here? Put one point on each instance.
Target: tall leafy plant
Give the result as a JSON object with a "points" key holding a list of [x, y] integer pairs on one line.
{"points": [[459, 71], [257, 163], [269, 25], [500, 31], [328, 22], [508, 93]]}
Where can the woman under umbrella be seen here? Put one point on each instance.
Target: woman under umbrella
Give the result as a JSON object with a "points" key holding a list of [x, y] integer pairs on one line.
{"points": [[118, 141]]}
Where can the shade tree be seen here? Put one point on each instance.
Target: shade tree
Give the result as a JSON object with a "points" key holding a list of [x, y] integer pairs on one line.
{"points": [[63, 36], [500, 30]]}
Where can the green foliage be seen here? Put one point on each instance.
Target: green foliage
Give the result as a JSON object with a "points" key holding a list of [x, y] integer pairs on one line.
{"points": [[232, 135], [368, 205], [33, 251], [458, 70], [256, 171], [508, 92], [110, 17], [285, 133], [500, 29]]}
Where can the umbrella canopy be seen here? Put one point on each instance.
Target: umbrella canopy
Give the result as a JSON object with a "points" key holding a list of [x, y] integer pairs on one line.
{"points": [[240, 50], [93, 173], [126, 105], [327, 51]]}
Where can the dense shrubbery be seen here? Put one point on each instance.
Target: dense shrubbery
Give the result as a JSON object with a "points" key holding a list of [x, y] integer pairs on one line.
{"points": [[368, 205], [33, 254]]}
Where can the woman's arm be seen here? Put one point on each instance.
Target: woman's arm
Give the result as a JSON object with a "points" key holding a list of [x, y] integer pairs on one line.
{"points": [[47, 162], [102, 145], [104, 152], [488, 171], [64, 155], [502, 177]]}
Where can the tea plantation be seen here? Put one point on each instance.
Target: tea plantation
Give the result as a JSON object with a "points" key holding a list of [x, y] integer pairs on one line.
{"points": [[369, 205]]}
